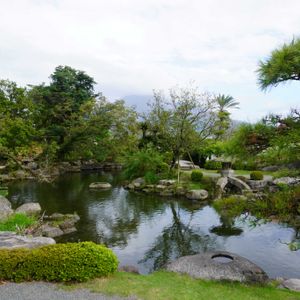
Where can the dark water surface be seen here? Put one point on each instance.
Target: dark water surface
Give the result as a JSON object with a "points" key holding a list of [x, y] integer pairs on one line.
{"points": [[147, 231]]}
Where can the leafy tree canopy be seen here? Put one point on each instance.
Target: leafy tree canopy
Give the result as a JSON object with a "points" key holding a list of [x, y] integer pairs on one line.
{"points": [[282, 65]]}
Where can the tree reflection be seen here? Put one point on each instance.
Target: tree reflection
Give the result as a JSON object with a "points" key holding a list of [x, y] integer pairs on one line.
{"points": [[226, 228], [176, 240]]}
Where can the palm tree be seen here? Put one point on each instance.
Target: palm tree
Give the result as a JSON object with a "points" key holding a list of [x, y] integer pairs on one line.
{"points": [[223, 116], [225, 102]]}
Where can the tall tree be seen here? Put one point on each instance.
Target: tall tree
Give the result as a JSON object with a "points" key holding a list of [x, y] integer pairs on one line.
{"points": [[282, 65], [181, 121], [224, 103], [62, 104]]}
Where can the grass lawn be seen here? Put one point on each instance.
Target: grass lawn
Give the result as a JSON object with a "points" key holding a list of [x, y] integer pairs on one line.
{"points": [[165, 285]]}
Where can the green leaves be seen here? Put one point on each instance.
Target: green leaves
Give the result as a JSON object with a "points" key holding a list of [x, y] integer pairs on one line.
{"points": [[59, 262], [282, 65]]}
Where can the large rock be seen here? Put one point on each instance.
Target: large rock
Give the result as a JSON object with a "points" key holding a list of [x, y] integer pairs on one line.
{"points": [[50, 231], [31, 208], [100, 185], [218, 266], [197, 194], [10, 240], [292, 284], [138, 183], [167, 182], [291, 181], [5, 208], [4, 201], [257, 185]]}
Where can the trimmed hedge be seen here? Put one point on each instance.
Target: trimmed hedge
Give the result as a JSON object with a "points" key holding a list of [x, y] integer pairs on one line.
{"points": [[256, 175], [196, 175], [58, 262], [213, 165]]}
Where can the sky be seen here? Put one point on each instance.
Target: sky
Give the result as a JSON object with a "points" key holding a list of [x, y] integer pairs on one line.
{"points": [[131, 47]]}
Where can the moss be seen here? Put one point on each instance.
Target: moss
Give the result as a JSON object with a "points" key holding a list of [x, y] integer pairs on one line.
{"points": [[256, 175]]}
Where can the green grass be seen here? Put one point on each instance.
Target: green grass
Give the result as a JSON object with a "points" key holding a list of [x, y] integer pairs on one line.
{"points": [[3, 192], [17, 222], [164, 285]]}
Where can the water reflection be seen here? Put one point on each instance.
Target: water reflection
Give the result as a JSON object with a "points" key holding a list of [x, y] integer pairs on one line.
{"points": [[176, 240], [147, 231], [226, 228]]}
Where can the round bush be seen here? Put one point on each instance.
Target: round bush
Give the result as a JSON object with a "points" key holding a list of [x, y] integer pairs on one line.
{"points": [[196, 175], [59, 262], [256, 175], [213, 165]]}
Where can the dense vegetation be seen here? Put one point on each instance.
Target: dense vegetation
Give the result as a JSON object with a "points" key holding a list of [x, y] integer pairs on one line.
{"points": [[64, 120], [58, 262], [17, 222]]}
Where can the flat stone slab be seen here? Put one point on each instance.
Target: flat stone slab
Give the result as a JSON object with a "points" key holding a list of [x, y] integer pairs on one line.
{"points": [[100, 185], [220, 265], [10, 240], [292, 284]]}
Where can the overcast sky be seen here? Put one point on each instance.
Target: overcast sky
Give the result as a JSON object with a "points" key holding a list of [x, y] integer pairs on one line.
{"points": [[131, 47]]}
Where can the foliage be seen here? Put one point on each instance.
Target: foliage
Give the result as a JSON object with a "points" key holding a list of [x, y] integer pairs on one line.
{"points": [[145, 161], [63, 120], [17, 222], [285, 205], [178, 123], [231, 207], [222, 123], [256, 175], [151, 178], [250, 164], [282, 65], [168, 285], [196, 175], [213, 165], [3, 192], [286, 173], [58, 262]]}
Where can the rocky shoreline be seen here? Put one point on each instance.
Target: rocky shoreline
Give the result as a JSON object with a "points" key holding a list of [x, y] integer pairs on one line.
{"points": [[32, 170]]}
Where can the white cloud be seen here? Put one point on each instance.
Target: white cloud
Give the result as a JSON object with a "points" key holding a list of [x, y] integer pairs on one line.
{"points": [[133, 46]]}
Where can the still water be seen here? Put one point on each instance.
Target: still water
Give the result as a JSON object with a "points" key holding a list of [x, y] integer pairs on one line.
{"points": [[147, 231]]}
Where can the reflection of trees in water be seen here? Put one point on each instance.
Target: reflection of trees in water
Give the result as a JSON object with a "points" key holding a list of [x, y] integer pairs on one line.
{"points": [[226, 228], [119, 216], [177, 240]]}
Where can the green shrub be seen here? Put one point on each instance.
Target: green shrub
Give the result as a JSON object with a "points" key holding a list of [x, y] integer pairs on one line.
{"points": [[196, 175], [256, 175], [59, 262], [286, 173], [231, 207], [213, 165], [17, 222], [151, 178], [249, 165], [143, 161]]}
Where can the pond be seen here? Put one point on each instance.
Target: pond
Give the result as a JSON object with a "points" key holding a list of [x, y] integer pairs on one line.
{"points": [[147, 231]]}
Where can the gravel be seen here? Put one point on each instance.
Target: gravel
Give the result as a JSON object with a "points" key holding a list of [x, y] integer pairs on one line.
{"points": [[48, 291]]}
